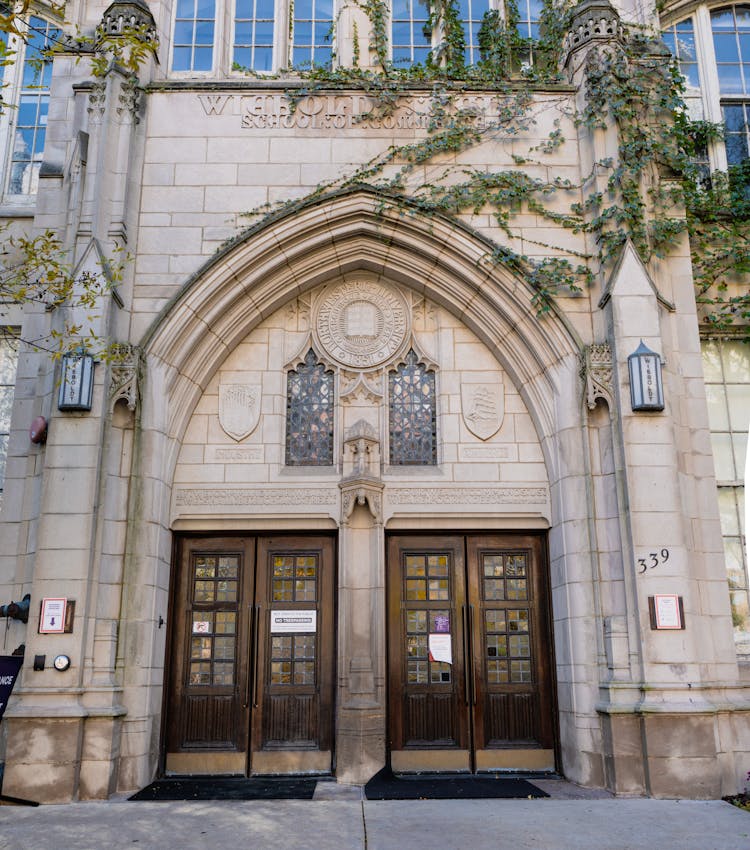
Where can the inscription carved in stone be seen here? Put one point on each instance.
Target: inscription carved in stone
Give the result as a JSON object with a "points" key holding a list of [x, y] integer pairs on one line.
{"points": [[421, 496], [224, 497], [361, 323]]}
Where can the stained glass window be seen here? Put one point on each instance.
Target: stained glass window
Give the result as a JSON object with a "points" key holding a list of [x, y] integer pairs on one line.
{"points": [[309, 414], [412, 414]]}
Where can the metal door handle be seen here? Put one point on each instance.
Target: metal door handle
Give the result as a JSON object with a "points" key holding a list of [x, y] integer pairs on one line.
{"points": [[251, 631], [467, 659], [471, 658], [256, 630]]}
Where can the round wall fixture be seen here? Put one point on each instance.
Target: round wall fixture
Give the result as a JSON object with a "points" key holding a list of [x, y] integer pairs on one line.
{"points": [[38, 430], [61, 662]]}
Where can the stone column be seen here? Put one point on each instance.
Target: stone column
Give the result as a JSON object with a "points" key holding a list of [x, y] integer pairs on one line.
{"points": [[360, 727]]}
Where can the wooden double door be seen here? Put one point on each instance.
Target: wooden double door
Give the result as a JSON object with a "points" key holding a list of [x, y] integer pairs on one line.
{"points": [[469, 654], [252, 656]]}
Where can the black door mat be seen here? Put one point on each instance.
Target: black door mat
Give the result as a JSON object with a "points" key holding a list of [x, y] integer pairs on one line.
{"points": [[227, 788], [386, 786]]}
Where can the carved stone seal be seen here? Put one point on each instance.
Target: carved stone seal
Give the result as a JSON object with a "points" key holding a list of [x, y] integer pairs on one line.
{"points": [[361, 323]]}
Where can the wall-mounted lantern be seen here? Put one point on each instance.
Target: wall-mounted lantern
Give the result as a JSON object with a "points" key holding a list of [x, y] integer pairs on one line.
{"points": [[646, 391], [76, 382]]}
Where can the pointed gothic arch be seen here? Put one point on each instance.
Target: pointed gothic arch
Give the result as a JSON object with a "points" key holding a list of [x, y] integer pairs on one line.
{"points": [[340, 233]]}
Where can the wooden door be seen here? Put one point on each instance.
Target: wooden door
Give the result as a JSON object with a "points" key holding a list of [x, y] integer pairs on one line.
{"points": [[469, 654], [252, 656]]}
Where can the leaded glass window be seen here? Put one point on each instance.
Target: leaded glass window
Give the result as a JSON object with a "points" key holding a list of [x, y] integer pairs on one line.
{"points": [[412, 414], [309, 414]]}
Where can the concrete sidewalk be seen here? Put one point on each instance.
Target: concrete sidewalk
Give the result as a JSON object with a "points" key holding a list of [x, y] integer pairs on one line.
{"points": [[351, 824]]}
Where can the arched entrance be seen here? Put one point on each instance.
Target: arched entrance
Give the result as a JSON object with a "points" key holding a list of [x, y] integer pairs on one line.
{"points": [[466, 319]]}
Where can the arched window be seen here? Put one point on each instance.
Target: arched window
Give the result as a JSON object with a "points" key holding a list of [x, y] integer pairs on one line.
{"points": [[412, 433], [309, 414]]}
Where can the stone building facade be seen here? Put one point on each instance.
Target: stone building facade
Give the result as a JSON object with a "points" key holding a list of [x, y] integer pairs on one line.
{"points": [[347, 499]]}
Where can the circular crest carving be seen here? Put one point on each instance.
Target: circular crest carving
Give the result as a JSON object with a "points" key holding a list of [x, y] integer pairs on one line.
{"points": [[361, 323]]}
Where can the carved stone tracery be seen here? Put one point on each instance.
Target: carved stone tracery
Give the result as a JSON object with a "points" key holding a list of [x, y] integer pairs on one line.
{"points": [[125, 376], [597, 369]]}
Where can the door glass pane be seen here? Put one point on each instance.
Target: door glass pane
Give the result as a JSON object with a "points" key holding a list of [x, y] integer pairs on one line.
{"points": [[293, 659], [213, 640], [294, 578], [504, 576], [507, 644]]}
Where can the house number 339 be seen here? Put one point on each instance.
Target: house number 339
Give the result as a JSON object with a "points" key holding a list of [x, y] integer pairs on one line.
{"points": [[653, 559]]}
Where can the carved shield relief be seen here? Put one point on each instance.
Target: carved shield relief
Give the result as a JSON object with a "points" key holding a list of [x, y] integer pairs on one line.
{"points": [[483, 407], [239, 409]]}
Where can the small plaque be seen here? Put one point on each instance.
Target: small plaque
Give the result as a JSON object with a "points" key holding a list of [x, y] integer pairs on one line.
{"points": [[293, 622], [201, 627], [666, 611], [52, 620]]}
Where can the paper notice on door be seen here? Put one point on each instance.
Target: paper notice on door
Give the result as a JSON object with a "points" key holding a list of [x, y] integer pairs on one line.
{"points": [[440, 648]]}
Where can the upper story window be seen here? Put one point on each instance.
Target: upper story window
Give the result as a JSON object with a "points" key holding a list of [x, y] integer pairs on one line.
{"points": [[309, 414], [411, 40], [412, 432], [266, 35], [194, 30], [312, 33], [26, 81], [712, 48], [253, 35]]}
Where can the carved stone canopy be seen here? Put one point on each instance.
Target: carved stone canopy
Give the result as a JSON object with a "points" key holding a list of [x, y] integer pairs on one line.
{"points": [[127, 15], [592, 20], [361, 452]]}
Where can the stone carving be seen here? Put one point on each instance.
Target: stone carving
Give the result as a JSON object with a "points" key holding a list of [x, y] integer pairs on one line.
{"points": [[361, 323], [421, 496], [356, 387], [361, 484], [129, 100], [224, 497], [363, 494], [239, 409], [127, 16], [597, 369], [125, 375], [592, 20], [97, 99], [423, 313], [483, 407]]}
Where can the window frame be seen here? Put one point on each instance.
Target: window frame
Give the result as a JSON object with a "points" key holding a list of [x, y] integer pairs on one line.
{"points": [[12, 82], [709, 94]]}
